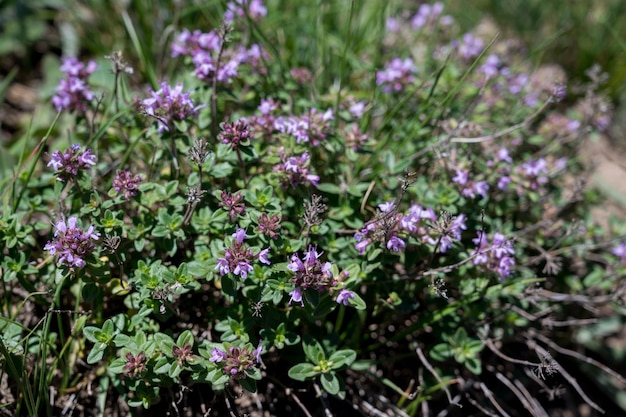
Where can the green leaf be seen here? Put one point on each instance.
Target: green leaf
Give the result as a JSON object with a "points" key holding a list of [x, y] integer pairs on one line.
{"points": [[330, 382], [92, 333], [329, 188], [174, 370], [342, 358], [313, 350], [97, 353], [474, 365], [248, 384], [441, 352], [185, 337], [162, 366], [302, 371], [357, 302]]}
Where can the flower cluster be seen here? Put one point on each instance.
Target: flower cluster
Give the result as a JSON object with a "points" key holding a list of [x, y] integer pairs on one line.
{"points": [[124, 182], [232, 204], [470, 46], [295, 170], [269, 225], [238, 258], [430, 15], [470, 188], [448, 229], [263, 124], [72, 243], [312, 127], [237, 360], [397, 74], [73, 91], [497, 256], [135, 365], [558, 126], [534, 173], [620, 251], [183, 354], [234, 134], [354, 138], [212, 61], [391, 228], [69, 163], [312, 273], [168, 105], [242, 8]]}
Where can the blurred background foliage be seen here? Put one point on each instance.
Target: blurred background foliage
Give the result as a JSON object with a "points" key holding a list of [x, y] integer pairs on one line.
{"points": [[573, 33]]}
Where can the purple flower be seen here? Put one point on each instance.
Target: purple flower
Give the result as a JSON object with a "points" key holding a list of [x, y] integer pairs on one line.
{"points": [[295, 170], [517, 83], [233, 204], [385, 207], [237, 360], [396, 75], [491, 66], [357, 109], [263, 256], [234, 134], [72, 243], [269, 225], [240, 235], [448, 230], [242, 269], [426, 14], [238, 258], [73, 91], [223, 266], [470, 46], [312, 127], [392, 24], [396, 244], [168, 105], [240, 8], [497, 256], [504, 182], [68, 164], [310, 272], [620, 251], [461, 177], [217, 355], [534, 172], [503, 155], [344, 297], [124, 182], [296, 296], [361, 245], [205, 49]]}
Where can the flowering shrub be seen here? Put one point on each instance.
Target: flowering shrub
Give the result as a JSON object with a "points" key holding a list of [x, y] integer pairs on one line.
{"points": [[415, 218]]}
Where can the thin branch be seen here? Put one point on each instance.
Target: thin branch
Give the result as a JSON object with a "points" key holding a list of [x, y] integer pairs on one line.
{"points": [[480, 407], [424, 405], [570, 379], [325, 405], [489, 343], [546, 295], [295, 398], [492, 400], [520, 396], [535, 403], [578, 356], [508, 130], [428, 366]]}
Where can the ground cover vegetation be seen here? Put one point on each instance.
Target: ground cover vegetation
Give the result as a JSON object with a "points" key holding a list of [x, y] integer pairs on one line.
{"points": [[255, 208]]}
